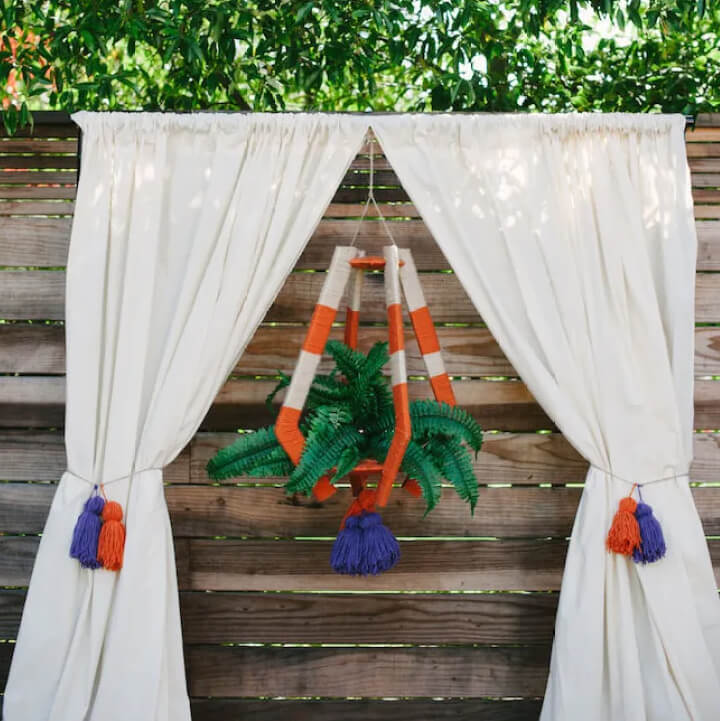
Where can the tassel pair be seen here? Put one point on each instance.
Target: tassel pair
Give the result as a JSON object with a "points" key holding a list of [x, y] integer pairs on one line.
{"points": [[636, 532], [364, 546], [98, 539]]}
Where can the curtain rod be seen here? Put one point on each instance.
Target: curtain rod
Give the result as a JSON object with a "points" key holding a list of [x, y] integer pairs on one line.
{"points": [[689, 119]]}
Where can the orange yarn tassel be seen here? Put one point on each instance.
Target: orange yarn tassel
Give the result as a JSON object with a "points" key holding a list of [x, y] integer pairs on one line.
{"points": [[112, 537], [624, 534]]}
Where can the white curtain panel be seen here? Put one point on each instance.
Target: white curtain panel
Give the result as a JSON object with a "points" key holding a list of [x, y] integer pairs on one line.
{"points": [[574, 237], [185, 229]]}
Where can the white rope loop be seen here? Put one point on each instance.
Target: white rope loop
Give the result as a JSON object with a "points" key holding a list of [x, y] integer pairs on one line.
{"points": [[371, 198]]}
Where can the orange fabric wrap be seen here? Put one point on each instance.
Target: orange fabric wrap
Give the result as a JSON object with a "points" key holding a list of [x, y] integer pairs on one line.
{"points": [[425, 333], [442, 389], [319, 331], [323, 489], [398, 445], [368, 262], [352, 320], [396, 332], [287, 431]]}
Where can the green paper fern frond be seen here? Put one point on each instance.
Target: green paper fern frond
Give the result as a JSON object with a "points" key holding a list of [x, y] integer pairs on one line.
{"points": [[349, 416]]}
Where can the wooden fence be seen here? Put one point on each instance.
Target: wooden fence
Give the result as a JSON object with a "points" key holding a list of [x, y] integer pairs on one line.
{"points": [[462, 628]]}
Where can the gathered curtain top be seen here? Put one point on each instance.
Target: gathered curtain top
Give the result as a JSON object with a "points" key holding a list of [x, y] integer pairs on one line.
{"points": [[542, 123]]}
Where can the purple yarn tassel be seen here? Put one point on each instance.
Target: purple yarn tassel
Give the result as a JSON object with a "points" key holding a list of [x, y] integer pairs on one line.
{"points": [[84, 544], [652, 542], [364, 547]]}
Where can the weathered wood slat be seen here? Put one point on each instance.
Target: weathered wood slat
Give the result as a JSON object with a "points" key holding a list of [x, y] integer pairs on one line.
{"points": [[209, 511], [705, 180], [35, 241], [303, 566], [346, 618], [528, 458], [40, 294], [38, 402], [365, 710], [702, 135], [39, 177], [44, 129], [706, 195], [425, 565], [468, 351], [44, 241], [11, 606], [707, 212], [37, 192], [40, 348], [12, 146], [32, 162], [37, 207], [700, 150], [508, 618], [524, 458], [40, 456], [335, 672]]}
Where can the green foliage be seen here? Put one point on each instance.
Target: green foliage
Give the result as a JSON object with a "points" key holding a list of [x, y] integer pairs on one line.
{"points": [[361, 55], [349, 416], [252, 454]]}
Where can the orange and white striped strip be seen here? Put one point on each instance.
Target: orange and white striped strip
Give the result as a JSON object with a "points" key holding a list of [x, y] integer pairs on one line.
{"points": [[401, 402], [352, 314], [287, 426], [425, 330]]}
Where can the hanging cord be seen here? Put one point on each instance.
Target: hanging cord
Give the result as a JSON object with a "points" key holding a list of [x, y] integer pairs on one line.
{"points": [[635, 484], [371, 199]]}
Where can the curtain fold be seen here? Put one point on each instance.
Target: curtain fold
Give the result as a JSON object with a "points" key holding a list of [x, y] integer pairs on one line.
{"points": [[575, 239], [185, 229]]}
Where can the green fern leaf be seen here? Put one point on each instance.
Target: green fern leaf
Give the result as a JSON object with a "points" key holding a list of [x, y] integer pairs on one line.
{"points": [[419, 464], [323, 449], [430, 418], [244, 454], [455, 463]]}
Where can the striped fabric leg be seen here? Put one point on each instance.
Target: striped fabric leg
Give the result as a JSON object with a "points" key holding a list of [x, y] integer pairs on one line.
{"points": [[425, 330], [401, 438], [352, 315], [287, 427]]}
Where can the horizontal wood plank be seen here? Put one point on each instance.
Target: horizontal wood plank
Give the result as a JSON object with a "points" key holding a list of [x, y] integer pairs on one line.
{"points": [[425, 565], [467, 351], [40, 456], [504, 618], [37, 177], [44, 162], [699, 134], [15, 145], [266, 512], [34, 241], [39, 402], [38, 208], [506, 458], [335, 672], [26, 295], [37, 192], [43, 242], [365, 710]]}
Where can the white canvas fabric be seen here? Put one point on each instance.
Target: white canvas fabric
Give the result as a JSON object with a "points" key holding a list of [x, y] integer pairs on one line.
{"points": [[574, 237], [184, 231]]}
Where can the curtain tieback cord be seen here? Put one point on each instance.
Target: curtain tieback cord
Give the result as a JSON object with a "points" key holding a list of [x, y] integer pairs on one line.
{"points": [[635, 531], [98, 539], [635, 483]]}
